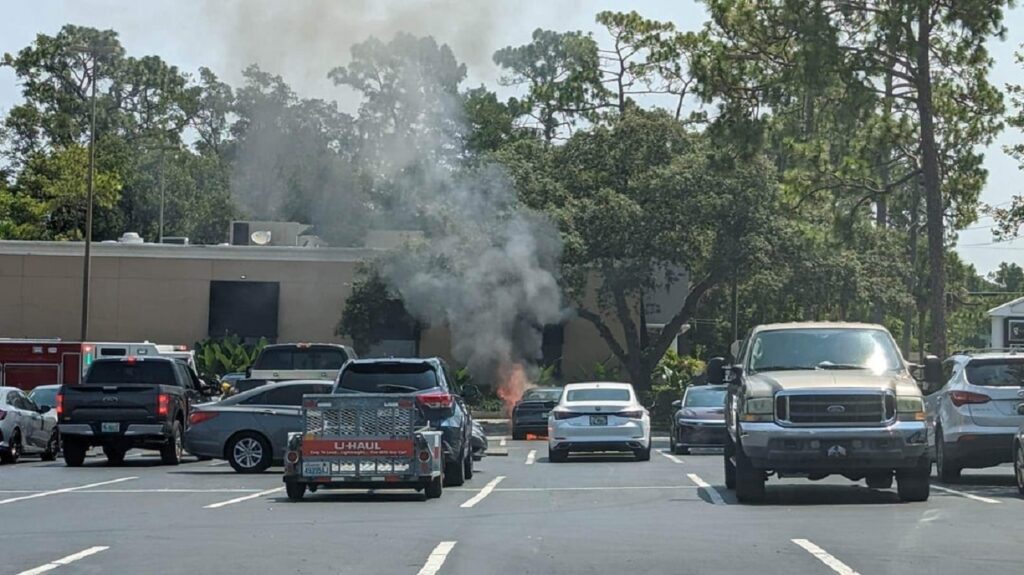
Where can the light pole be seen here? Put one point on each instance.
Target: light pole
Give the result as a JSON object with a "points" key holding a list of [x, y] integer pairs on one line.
{"points": [[91, 51]]}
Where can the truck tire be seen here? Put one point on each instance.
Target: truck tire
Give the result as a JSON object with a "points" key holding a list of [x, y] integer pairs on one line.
{"points": [[468, 465], [74, 452], [170, 454], [294, 490], [434, 488], [728, 452], [455, 472], [914, 484], [749, 479], [115, 455], [946, 466], [248, 452], [879, 480]]}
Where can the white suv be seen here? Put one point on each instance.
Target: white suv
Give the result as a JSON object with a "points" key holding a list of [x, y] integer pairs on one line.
{"points": [[977, 412], [598, 417]]}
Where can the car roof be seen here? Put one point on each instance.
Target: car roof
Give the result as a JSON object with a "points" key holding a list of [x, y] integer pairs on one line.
{"points": [[137, 359], [818, 325], [10, 388], [711, 387], [966, 356], [47, 386], [595, 384], [394, 360], [301, 345], [278, 384]]}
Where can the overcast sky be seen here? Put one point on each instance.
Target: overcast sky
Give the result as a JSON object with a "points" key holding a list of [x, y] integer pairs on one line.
{"points": [[303, 39]]}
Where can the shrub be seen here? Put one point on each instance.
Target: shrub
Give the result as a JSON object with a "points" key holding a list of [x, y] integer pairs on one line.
{"points": [[216, 357]]}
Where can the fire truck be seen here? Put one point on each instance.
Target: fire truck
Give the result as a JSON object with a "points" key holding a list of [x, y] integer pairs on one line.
{"points": [[27, 363]]}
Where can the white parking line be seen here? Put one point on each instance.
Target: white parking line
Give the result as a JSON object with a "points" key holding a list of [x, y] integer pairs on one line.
{"points": [[608, 488], [823, 556], [713, 493], [65, 490], [241, 499], [503, 442], [218, 463], [670, 456], [64, 560], [170, 490], [531, 457], [483, 492], [965, 494], [437, 557]]}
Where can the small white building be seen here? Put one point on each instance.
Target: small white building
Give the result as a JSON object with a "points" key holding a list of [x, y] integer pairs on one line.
{"points": [[1008, 324]]}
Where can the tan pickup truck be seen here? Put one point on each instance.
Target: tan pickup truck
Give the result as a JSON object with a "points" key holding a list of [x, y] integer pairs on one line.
{"points": [[816, 399]]}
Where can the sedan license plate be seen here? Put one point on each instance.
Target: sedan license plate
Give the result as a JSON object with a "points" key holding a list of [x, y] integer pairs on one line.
{"points": [[598, 420], [110, 427], [316, 468]]}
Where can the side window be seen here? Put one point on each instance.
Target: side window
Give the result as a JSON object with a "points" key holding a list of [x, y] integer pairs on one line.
{"points": [[28, 403], [290, 395], [258, 399], [12, 399]]}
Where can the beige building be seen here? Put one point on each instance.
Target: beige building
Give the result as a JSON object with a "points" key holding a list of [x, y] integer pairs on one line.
{"points": [[184, 294]]}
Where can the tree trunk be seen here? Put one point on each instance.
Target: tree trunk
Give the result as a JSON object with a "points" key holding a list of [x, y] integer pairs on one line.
{"points": [[885, 177], [908, 315], [934, 206]]}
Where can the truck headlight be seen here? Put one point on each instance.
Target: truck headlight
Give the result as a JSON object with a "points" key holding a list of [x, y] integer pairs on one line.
{"points": [[758, 409], [910, 409]]}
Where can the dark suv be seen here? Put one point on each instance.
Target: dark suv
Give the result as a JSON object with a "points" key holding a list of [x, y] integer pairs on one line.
{"points": [[439, 406]]}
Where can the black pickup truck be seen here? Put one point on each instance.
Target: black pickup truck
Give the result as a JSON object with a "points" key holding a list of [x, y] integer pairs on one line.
{"points": [[133, 402]]}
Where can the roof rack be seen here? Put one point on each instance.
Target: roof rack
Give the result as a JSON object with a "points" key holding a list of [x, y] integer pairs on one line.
{"points": [[976, 350]]}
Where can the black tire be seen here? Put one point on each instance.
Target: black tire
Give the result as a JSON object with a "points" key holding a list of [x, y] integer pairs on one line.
{"points": [[74, 452], [115, 455], [946, 466], [680, 450], [248, 452], [294, 490], [52, 447], [643, 454], [880, 480], [434, 488], [557, 455], [730, 470], [468, 465], [518, 434], [672, 440], [455, 472], [13, 452], [170, 454], [749, 479], [1018, 466], [914, 484]]}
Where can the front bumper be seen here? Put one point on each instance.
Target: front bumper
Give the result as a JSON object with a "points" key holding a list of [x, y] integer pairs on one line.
{"points": [[696, 433], [834, 449]]}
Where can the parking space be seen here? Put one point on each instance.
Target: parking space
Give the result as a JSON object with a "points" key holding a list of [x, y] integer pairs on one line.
{"points": [[519, 514]]}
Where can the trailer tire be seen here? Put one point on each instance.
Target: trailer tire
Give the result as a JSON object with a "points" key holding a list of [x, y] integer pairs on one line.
{"points": [[434, 488], [294, 490]]}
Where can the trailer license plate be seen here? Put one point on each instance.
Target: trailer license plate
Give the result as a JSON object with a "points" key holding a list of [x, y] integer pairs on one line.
{"points": [[108, 427], [598, 420], [316, 468]]}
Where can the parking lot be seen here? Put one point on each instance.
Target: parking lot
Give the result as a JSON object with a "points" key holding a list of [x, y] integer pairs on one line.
{"points": [[519, 514]]}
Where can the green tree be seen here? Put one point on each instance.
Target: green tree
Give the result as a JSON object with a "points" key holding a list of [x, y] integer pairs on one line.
{"points": [[1009, 277]]}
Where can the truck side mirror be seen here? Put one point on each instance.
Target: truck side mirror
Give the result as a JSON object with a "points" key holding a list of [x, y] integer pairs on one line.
{"points": [[933, 372], [716, 371]]}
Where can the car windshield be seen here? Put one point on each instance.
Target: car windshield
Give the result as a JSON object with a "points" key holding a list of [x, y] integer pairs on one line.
{"points": [[388, 377], [705, 397], [598, 394], [824, 348], [44, 396], [542, 394], [996, 372], [294, 358]]}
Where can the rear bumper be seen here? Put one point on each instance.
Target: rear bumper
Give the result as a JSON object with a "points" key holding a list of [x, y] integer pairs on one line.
{"points": [[981, 449], [631, 435], [834, 449], [205, 448], [133, 433], [596, 446]]}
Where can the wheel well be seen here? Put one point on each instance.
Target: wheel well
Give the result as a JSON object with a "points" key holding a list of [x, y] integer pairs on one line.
{"points": [[231, 439]]}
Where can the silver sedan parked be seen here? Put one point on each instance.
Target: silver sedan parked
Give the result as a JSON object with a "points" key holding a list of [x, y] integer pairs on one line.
{"points": [[25, 427], [250, 429]]}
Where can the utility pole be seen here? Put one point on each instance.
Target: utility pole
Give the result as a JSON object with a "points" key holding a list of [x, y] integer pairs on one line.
{"points": [[735, 312], [161, 240]]}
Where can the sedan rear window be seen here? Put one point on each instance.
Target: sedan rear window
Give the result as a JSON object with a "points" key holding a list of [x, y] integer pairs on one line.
{"points": [[598, 394], [543, 394], [1003, 372], [388, 377], [123, 372]]}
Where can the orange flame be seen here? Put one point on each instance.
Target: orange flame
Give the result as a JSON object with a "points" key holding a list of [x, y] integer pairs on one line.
{"points": [[512, 384]]}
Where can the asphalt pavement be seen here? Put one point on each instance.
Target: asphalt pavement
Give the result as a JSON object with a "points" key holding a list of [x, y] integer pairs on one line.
{"points": [[519, 514]]}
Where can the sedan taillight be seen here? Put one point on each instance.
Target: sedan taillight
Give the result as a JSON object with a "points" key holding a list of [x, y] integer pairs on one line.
{"points": [[965, 397], [564, 414], [198, 417], [632, 414]]}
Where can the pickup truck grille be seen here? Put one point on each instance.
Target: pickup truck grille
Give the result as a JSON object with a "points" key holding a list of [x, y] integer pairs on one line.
{"points": [[835, 409]]}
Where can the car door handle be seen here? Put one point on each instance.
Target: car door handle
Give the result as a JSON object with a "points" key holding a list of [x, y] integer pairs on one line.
{"points": [[267, 412]]}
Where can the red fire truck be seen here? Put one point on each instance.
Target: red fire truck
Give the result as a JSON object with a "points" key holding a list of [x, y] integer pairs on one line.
{"points": [[27, 363]]}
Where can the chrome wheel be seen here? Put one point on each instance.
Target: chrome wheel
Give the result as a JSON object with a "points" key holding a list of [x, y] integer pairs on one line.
{"points": [[248, 452]]}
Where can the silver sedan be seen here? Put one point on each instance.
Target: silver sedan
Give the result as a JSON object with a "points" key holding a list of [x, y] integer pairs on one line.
{"points": [[250, 429], [25, 427]]}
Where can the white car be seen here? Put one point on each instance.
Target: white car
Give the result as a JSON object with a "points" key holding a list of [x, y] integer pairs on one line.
{"points": [[25, 427], [598, 417], [977, 413]]}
